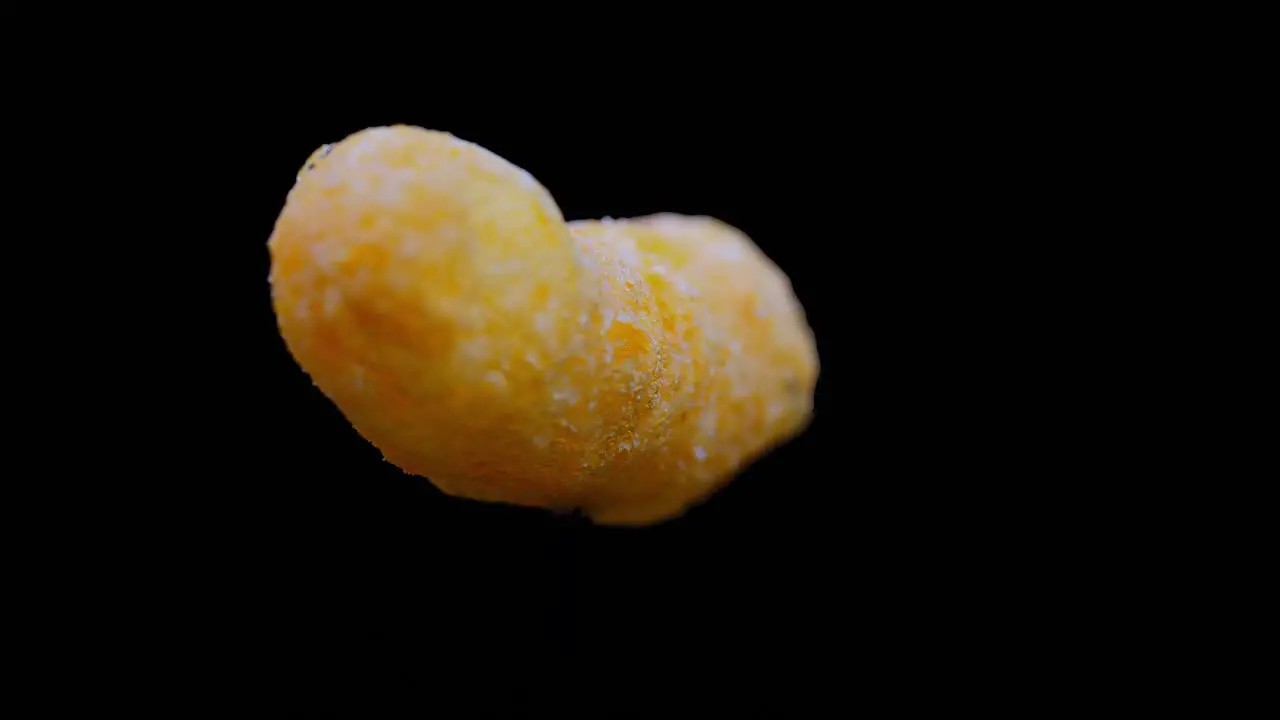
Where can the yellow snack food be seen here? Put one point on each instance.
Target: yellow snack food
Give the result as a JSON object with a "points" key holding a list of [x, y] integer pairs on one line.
{"points": [[627, 368]]}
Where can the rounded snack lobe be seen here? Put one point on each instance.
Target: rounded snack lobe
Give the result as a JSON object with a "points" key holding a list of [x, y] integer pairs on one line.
{"points": [[627, 368]]}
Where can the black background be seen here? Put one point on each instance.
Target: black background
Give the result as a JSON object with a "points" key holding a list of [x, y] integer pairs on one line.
{"points": [[919, 545]]}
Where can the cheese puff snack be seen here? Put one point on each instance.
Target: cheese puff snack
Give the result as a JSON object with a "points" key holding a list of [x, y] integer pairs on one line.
{"points": [[626, 368]]}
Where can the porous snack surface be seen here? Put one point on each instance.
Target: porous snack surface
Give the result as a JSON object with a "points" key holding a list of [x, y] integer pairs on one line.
{"points": [[434, 292]]}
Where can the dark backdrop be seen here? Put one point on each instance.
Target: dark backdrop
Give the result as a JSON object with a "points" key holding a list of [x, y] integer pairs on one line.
{"points": [[919, 545]]}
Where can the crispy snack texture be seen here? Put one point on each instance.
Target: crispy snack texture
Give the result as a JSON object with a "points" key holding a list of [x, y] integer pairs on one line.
{"points": [[628, 368]]}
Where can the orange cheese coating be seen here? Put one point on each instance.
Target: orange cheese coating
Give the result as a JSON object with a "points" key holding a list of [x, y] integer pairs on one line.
{"points": [[628, 368]]}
